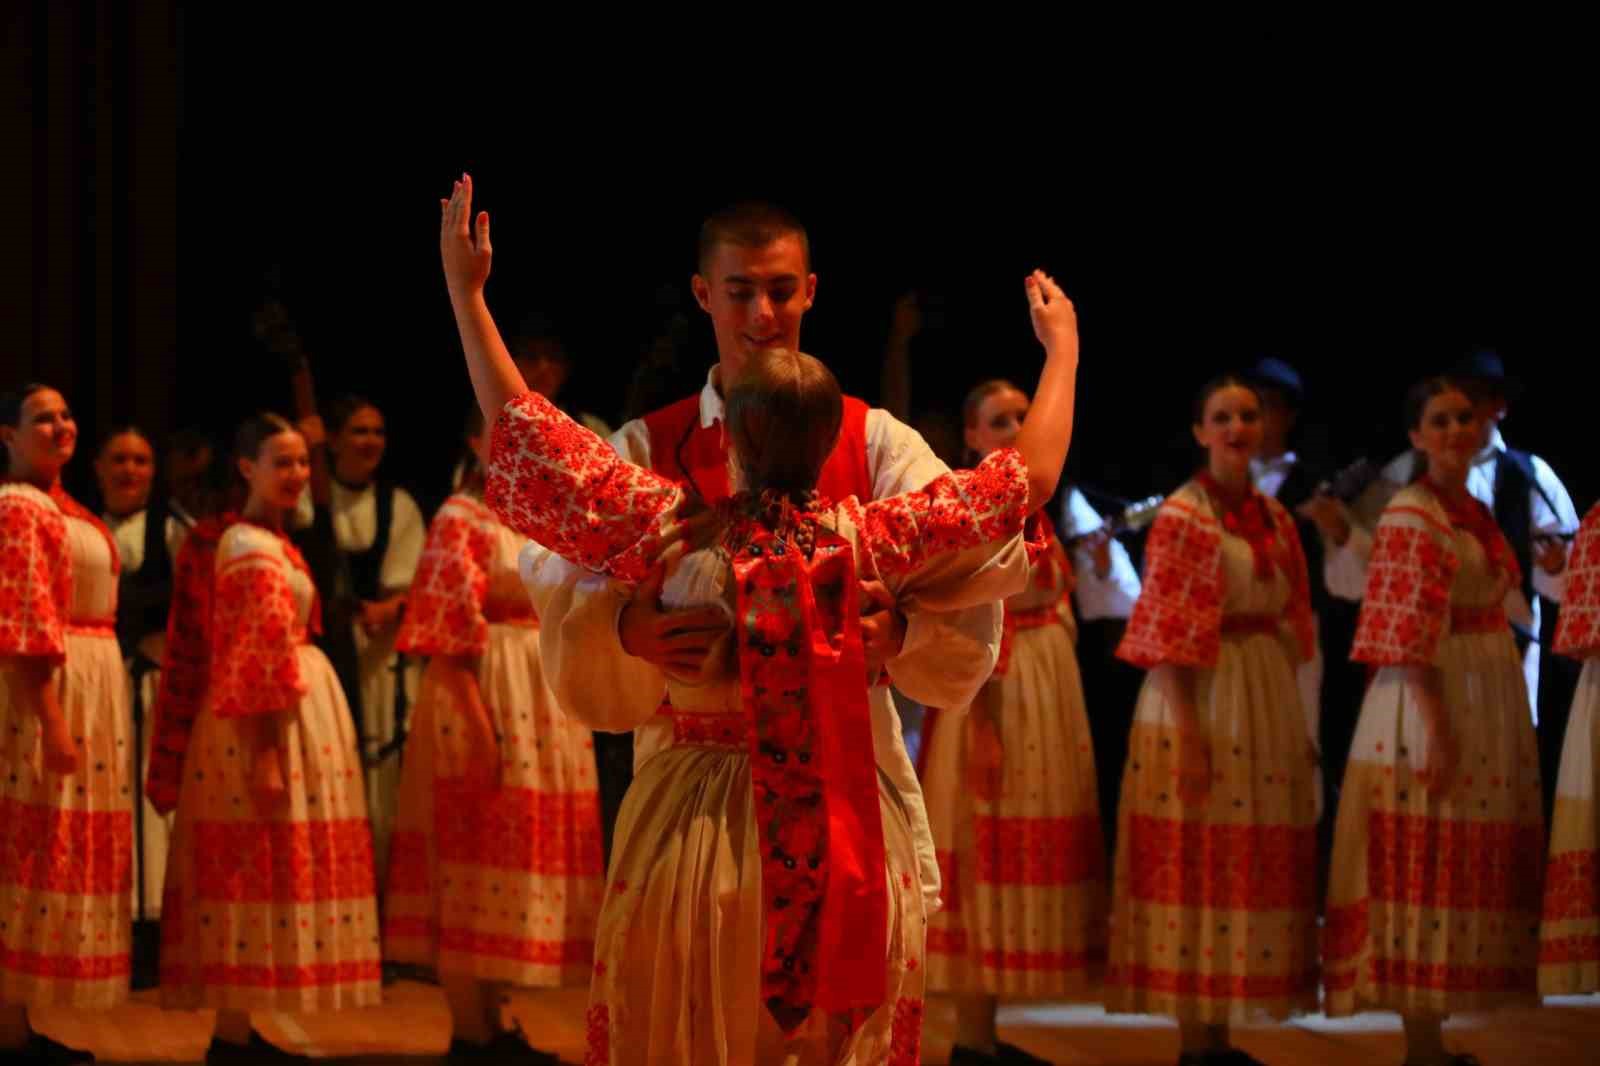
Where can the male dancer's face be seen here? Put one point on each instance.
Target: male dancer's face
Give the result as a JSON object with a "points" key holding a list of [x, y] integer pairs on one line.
{"points": [[756, 297]]}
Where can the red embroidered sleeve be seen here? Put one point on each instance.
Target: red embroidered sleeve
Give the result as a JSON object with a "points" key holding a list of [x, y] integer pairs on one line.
{"points": [[1407, 599], [255, 661], [444, 610], [957, 510], [1578, 624], [186, 662], [1298, 612], [35, 578], [553, 480], [1177, 619]]}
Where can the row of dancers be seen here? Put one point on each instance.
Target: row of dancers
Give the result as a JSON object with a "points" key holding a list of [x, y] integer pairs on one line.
{"points": [[720, 582]]}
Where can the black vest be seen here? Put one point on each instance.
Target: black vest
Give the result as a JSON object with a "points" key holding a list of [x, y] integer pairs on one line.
{"points": [[143, 595], [1514, 483], [1298, 487], [366, 566]]}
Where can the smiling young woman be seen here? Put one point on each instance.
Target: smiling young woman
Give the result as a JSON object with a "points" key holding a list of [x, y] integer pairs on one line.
{"points": [[1214, 919], [1430, 909], [270, 898], [66, 782]]}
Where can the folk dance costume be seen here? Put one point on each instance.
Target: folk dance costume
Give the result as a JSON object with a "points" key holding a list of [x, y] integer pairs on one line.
{"points": [[1430, 907], [1527, 500], [1330, 686], [764, 899], [263, 910], [66, 840], [1569, 947], [1022, 861], [380, 530], [501, 885], [147, 543], [1214, 912], [945, 659]]}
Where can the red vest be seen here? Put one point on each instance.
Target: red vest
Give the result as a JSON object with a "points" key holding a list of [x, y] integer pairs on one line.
{"points": [[697, 456]]}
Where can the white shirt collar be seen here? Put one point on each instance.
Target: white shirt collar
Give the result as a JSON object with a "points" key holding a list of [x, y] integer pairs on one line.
{"points": [[115, 523], [1260, 466], [712, 407], [1492, 450]]}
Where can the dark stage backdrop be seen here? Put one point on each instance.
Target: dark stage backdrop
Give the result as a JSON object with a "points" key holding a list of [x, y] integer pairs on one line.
{"points": [[1360, 249], [90, 111]]}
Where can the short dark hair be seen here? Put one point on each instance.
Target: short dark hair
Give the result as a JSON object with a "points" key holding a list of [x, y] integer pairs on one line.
{"points": [[343, 409], [750, 224]]}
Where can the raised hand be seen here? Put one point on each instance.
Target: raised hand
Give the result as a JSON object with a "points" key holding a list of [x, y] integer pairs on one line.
{"points": [[311, 427], [1055, 320], [463, 242], [1044, 437]]}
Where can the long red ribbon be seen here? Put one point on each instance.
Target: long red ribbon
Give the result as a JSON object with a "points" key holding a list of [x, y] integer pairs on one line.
{"points": [[803, 675]]}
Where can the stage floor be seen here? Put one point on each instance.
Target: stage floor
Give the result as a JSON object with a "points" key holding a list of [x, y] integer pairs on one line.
{"points": [[413, 1026]]}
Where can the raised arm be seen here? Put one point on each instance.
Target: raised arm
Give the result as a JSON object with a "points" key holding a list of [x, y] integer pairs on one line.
{"points": [[966, 508], [552, 479], [1047, 432], [465, 250], [549, 477]]}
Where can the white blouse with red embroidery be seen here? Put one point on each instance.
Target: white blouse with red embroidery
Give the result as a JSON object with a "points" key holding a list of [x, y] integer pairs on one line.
{"points": [[558, 483], [1578, 627], [1178, 618], [1416, 578], [467, 579], [263, 611]]}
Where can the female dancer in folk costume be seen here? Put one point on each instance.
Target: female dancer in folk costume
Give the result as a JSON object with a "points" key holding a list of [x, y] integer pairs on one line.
{"points": [[1214, 913], [1012, 798], [66, 784], [495, 875], [761, 858], [1569, 948], [1430, 907], [269, 896]]}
